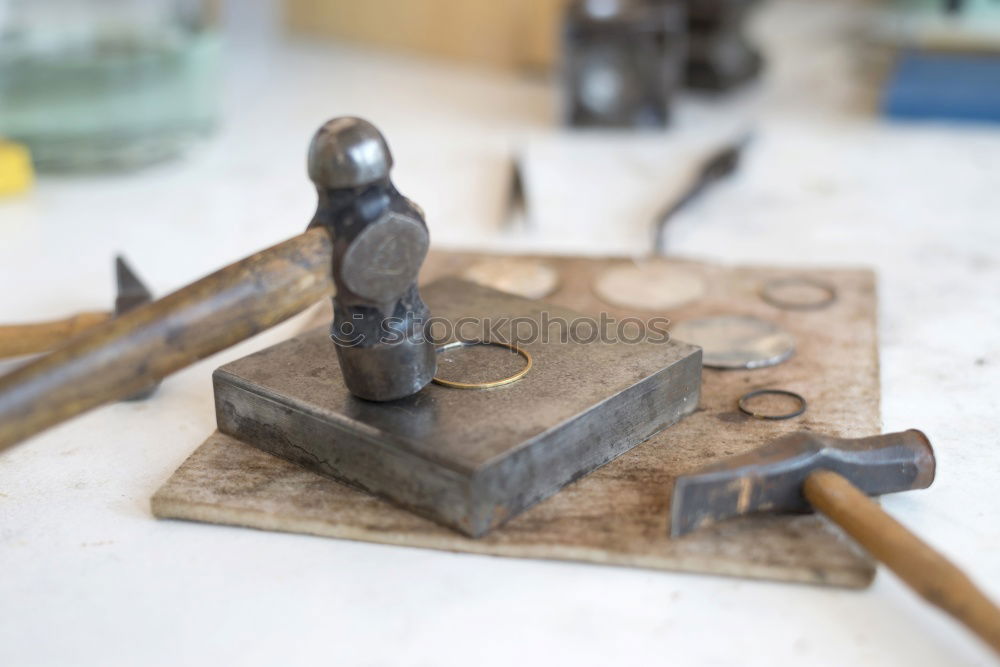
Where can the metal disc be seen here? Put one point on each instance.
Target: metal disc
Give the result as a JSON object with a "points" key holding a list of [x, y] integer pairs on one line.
{"points": [[737, 341], [649, 286], [798, 293], [530, 278]]}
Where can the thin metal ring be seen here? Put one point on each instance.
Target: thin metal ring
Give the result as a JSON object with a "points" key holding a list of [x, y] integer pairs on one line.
{"points": [[493, 383], [771, 392], [766, 293]]}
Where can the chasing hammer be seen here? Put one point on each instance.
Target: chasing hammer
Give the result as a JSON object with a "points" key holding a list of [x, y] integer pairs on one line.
{"points": [[805, 471]]}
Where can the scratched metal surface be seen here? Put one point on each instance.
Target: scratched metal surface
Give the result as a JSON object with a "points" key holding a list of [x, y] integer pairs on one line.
{"points": [[618, 514]]}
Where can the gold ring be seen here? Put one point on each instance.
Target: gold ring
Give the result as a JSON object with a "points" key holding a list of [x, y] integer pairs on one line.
{"points": [[484, 385]]}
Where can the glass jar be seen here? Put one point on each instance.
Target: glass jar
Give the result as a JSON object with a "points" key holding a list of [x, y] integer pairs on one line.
{"points": [[107, 84]]}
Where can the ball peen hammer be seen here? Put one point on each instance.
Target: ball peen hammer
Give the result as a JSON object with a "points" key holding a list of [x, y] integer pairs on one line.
{"points": [[349, 162], [805, 470]]}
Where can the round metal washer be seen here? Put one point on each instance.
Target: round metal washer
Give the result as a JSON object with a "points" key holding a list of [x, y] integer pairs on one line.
{"points": [[530, 278], [745, 398], [649, 286], [492, 383], [778, 293], [736, 341]]}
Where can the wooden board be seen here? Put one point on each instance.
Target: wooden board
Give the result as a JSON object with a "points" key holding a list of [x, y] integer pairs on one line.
{"points": [[618, 514]]}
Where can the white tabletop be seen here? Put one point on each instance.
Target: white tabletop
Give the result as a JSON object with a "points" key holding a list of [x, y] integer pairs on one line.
{"points": [[88, 576]]}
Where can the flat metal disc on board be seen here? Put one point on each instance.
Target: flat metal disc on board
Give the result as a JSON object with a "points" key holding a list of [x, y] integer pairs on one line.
{"points": [[736, 341], [649, 286], [530, 278], [798, 293]]}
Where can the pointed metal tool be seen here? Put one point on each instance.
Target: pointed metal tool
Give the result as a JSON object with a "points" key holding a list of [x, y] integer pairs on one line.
{"points": [[719, 166], [17, 340], [132, 293]]}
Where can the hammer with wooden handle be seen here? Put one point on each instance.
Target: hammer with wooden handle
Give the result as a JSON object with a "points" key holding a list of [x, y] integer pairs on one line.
{"points": [[125, 355], [805, 471], [116, 359]]}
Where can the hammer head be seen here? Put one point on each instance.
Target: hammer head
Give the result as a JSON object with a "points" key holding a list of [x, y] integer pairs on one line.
{"points": [[380, 242], [348, 152], [770, 479]]}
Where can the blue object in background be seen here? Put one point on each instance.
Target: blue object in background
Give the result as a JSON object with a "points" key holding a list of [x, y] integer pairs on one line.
{"points": [[944, 86]]}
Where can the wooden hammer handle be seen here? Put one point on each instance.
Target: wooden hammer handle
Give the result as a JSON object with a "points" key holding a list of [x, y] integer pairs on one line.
{"points": [[926, 571], [129, 353], [20, 339]]}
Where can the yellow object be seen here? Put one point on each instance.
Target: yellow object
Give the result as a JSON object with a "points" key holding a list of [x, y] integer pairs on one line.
{"points": [[16, 174], [485, 385], [512, 34]]}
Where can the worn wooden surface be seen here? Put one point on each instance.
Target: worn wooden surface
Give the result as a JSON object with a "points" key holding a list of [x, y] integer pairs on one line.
{"points": [[618, 514], [129, 353]]}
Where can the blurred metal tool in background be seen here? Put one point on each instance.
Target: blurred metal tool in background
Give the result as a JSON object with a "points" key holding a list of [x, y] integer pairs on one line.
{"points": [[622, 62], [720, 57], [718, 166]]}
